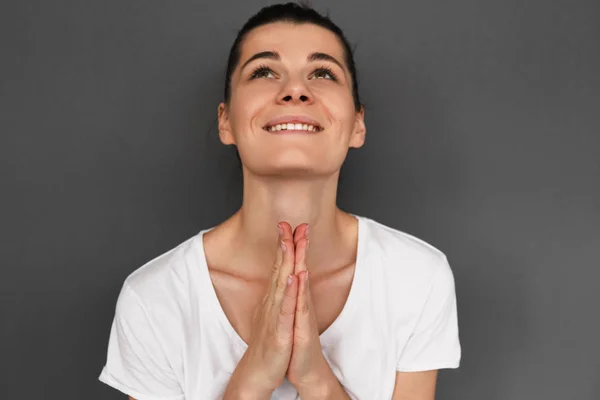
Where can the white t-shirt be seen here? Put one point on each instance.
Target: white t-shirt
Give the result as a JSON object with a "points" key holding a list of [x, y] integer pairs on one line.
{"points": [[171, 340]]}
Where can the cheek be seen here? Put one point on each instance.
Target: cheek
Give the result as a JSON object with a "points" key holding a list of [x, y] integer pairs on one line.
{"points": [[338, 104], [247, 104]]}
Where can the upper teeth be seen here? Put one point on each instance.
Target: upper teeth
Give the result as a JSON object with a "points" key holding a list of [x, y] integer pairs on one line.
{"points": [[295, 127]]}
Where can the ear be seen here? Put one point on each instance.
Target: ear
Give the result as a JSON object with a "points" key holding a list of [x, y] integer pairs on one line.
{"points": [[358, 136], [225, 133]]}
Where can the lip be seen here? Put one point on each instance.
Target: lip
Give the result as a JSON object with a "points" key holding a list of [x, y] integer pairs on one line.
{"points": [[293, 119]]}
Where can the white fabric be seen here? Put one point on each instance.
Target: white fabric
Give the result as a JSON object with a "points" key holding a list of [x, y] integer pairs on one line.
{"points": [[171, 340]]}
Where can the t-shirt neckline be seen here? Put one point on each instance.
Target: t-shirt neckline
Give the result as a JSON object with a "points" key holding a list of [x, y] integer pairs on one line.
{"points": [[329, 336]]}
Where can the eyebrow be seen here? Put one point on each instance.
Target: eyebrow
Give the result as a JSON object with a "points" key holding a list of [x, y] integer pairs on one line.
{"points": [[273, 55]]}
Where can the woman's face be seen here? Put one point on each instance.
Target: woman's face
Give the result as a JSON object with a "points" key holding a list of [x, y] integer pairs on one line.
{"points": [[291, 74]]}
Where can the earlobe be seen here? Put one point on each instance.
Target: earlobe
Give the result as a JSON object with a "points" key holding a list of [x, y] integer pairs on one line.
{"points": [[225, 134], [360, 130]]}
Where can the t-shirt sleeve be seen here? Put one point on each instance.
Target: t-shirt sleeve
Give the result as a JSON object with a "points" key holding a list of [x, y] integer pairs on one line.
{"points": [[434, 343], [136, 362]]}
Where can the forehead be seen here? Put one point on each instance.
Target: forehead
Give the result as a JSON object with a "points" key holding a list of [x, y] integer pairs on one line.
{"points": [[292, 41]]}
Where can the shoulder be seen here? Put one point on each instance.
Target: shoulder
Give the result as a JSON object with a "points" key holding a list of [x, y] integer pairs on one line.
{"points": [[403, 252], [410, 270], [158, 298], [147, 345], [161, 285], [167, 266]]}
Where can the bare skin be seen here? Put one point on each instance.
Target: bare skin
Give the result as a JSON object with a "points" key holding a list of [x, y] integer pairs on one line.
{"points": [[240, 291]]}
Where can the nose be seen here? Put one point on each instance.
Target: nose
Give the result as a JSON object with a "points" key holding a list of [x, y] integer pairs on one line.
{"points": [[295, 92]]}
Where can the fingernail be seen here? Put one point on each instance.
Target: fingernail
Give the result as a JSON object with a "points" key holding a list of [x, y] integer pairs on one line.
{"points": [[283, 247], [306, 231], [280, 230], [289, 280], [307, 243], [306, 277]]}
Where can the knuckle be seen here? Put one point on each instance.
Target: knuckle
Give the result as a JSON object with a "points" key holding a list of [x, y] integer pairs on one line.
{"points": [[284, 312], [303, 308], [280, 284], [275, 268], [301, 339]]}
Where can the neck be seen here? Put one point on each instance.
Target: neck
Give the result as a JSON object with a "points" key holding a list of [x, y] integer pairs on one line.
{"points": [[267, 201]]}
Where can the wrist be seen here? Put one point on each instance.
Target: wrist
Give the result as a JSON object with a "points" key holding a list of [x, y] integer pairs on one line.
{"points": [[243, 389], [246, 384], [319, 390], [324, 388], [248, 393]]}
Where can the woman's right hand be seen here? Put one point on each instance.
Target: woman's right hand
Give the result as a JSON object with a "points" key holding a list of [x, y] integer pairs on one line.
{"points": [[263, 366]]}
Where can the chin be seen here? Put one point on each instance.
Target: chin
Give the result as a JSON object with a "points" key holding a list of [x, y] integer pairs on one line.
{"points": [[287, 169], [292, 161]]}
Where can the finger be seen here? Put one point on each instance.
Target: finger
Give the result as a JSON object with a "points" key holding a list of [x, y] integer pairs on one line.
{"points": [[300, 232], [279, 254], [276, 267], [287, 265], [300, 255], [287, 311], [303, 322]]}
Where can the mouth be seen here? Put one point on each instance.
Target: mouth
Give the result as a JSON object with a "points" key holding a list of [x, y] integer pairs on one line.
{"points": [[289, 127], [289, 124]]}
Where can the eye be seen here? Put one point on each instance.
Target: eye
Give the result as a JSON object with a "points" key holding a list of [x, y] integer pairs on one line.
{"points": [[262, 72], [324, 73]]}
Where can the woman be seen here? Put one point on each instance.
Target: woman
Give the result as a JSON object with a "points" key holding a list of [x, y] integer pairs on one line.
{"points": [[245, 310]]}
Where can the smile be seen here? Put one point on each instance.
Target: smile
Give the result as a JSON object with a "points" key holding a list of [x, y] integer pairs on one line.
{"points": [[293, 123], [293, 127]]}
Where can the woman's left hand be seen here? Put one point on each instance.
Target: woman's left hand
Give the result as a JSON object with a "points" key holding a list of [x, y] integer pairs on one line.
{"points": [[308, 370]]}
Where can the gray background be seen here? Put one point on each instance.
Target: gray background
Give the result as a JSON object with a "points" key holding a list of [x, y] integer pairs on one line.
{"points": [[483, 139]]}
